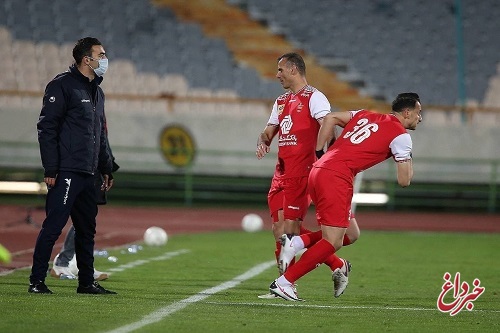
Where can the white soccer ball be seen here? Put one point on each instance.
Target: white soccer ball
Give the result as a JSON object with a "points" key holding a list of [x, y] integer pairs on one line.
{"points": [[155, 236], [252, 223]]}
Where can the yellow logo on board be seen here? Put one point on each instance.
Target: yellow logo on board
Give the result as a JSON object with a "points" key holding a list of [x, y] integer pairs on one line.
{"points": [[177, 146]]}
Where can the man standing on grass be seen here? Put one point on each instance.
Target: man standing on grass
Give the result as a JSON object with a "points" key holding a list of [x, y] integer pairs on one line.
{"points": [[73, 149]]}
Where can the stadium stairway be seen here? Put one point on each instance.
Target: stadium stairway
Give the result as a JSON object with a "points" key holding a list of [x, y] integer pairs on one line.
{"points": [[254, 45]]}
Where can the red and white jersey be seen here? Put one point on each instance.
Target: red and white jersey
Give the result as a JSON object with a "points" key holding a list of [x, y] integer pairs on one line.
{"points": [[367, 139], [297, 117]]}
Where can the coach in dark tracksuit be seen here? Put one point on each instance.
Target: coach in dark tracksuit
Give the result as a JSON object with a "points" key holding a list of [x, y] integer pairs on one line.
{"points": [[74, 151]]}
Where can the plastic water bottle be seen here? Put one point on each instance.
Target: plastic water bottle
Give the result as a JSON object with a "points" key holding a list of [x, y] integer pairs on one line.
{"points": [[112, 259], [133, 249], [100, 253]]}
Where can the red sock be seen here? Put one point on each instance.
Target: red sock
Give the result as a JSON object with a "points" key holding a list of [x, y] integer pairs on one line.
{"points": [[333, 262], [312, 258], [346, 240], [311, 238]]}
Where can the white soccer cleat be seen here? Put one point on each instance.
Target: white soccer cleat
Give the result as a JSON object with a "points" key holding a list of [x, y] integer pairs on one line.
{"points": [[287, 254], [288, 292], [340, 278]]}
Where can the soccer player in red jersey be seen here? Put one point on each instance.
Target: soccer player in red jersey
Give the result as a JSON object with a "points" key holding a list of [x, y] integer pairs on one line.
{"points": [[368, 138], [296, 118]]}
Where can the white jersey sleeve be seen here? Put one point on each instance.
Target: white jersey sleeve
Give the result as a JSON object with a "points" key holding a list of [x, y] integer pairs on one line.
{"points": [[401, 147], [319, 105], [353, 112], [273, 119]]}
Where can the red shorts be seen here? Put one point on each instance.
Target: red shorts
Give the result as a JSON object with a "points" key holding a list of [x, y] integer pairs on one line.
{"points": [[289, 195], [331, 192]]}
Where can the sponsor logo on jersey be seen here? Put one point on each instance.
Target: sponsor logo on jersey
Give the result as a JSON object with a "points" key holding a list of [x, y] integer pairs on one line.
{"points": [[285, 138], [286, 124], [280, 109]]}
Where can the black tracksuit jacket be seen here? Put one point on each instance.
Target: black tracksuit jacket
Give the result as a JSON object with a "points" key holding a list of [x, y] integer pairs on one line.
{"points": [[71, 127]]}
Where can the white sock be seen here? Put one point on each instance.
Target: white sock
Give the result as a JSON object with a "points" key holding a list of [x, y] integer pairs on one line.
{"points": [[283, 281], [297, 243]]}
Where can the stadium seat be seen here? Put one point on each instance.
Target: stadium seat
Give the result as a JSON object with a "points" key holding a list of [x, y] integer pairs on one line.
{"points": [[155, 41], [375, 35]]}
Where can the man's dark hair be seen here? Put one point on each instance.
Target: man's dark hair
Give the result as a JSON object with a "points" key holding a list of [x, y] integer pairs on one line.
{"points": [[83, 48], [296, 59], [405, 100]]}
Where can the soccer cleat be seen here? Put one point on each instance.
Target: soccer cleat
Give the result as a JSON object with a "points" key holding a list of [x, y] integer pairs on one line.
{"points": [[39, 288], [287, 253], [288, 293], [63, 273], [94, 289], [268, 296], [99, 276], [340, 278]]}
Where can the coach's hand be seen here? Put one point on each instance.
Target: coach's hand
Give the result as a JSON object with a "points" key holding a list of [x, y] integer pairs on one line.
{"points": [[49, 178], [50, 182], [107, 183]]}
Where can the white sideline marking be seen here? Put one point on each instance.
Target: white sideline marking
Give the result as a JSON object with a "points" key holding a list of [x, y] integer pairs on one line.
{"points": [[121, 268], [317, 306], [132, 264], [174, 307], [343, 307]]}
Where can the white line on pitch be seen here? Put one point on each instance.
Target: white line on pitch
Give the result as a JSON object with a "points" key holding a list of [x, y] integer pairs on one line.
{"points": [[121, 268], [340, 307], [165, 256], [174, 307]]}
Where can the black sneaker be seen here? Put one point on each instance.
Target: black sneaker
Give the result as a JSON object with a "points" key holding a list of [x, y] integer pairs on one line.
{"points": [[39, 288], [94, 288]]}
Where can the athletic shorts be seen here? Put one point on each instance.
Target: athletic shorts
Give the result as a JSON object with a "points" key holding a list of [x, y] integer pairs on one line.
{"points": [[289, 195], [331, 192]]}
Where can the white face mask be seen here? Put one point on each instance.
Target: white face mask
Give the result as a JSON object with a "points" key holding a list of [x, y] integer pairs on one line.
{"points": [[103, 67]]}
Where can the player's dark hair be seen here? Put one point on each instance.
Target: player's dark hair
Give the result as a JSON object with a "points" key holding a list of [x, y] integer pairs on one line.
{"points": [[295, 59], [83, 48], [405, 100]]}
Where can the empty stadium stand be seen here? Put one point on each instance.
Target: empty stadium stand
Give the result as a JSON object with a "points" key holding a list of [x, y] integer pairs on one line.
{"points": [[37, 36], [381, 47], [395, 45]]}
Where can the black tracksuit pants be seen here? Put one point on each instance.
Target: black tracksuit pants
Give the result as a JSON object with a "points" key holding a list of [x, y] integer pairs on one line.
{"points": [[74, 195]]}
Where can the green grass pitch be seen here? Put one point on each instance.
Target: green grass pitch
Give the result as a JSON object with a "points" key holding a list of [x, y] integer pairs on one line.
{"points": [[210, 282]]}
